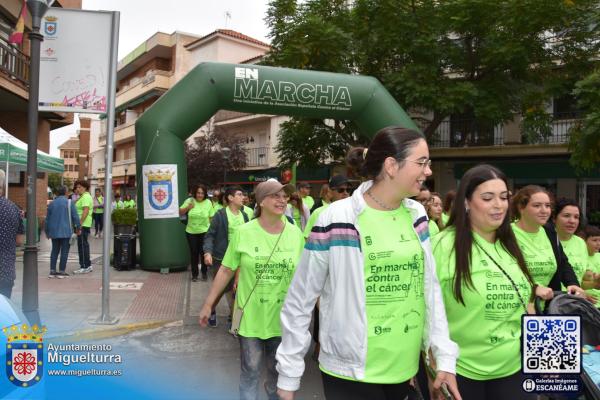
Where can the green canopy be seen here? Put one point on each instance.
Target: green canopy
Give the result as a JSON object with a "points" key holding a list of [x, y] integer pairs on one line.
{"points": [[13, 153]]}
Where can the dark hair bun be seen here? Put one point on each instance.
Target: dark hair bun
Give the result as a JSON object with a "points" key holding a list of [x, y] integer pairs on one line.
{"points": [[355, 160]]}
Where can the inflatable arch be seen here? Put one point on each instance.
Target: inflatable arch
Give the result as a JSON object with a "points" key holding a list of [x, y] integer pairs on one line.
{"points": [[209, 87]]}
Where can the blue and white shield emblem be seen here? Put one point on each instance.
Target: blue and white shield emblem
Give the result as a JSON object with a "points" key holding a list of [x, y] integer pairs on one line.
{"points": [[24, 366], [50, 28], [160, 194]]}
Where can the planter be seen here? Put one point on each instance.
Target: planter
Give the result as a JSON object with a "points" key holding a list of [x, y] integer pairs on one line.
{"points": [[123, 230]]}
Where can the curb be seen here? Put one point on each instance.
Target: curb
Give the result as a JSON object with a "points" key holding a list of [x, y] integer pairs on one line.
{"points": [[97, 334]]}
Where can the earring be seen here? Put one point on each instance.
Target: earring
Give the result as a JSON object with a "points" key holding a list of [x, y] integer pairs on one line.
{"points": [[467, 209]]}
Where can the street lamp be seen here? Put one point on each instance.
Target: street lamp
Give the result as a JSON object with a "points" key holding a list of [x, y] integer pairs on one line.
{"points": [[225, 152], [37, 8]]}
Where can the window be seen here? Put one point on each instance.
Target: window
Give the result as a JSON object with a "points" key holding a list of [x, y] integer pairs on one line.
{"points": [[565, 107], [71, 154], [76, 168]]}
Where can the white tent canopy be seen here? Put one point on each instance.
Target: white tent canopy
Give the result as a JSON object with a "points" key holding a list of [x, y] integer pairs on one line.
{"points": [[13, 157]]}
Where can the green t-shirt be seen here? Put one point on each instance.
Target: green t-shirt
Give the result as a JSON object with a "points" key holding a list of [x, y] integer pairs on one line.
{"points": [[217, 206], [577, 253], [296, 217], [233, 222], [434, 229], [249, 212], [594, 266], [85, 201], [395, 305], [445, 218], [312, 220], [100, 203], [199, 216], [308, 202], [487, 328], [538, 254], [129, 203], [249, 250]]}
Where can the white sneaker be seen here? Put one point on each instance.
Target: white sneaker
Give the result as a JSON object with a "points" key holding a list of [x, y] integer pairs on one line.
{"points": [[88, 270], [80, 271]]}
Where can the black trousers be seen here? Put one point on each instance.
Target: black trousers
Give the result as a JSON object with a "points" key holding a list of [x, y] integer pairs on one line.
{"points": [[342, 389], [510, 387], [196, 243]]}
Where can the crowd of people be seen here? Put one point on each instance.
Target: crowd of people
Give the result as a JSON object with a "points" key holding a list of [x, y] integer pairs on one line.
{"points": [[407, 289], [69, 221]]}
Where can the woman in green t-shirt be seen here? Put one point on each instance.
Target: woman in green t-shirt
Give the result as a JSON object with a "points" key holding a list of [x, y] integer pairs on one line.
{"points": [[566, 220], [368, 260], [434, 212], [199, 211], [544, 256], [84, 206], [486, 287], [265, 251]]}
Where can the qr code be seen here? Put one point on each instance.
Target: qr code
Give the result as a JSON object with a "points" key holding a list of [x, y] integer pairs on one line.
{"points": [[551, 344]]}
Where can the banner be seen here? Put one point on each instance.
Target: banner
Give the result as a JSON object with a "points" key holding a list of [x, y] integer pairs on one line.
{"points": [[74, 61], [159, 185]]}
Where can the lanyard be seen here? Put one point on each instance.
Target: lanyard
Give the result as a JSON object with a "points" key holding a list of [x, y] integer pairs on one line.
{"points": [[505, 274]]}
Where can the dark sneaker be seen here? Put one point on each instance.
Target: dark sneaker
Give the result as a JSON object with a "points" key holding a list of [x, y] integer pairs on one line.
{"points": [[52, 274], [194, 279], [212, 321], [204, 278], [62, 274]]}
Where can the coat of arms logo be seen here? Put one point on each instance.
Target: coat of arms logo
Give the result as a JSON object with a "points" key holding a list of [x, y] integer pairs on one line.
{"points": [[160, 189], [24, 354]]}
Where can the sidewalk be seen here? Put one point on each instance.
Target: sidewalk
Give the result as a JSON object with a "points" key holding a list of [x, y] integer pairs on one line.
{"points": [[139, 299]]}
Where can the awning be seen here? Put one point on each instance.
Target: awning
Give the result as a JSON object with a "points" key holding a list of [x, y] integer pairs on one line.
{"points": [[14, 151]]}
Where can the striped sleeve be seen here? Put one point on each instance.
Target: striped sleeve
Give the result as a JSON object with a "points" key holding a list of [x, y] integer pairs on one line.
{"points": [[322, 238]]}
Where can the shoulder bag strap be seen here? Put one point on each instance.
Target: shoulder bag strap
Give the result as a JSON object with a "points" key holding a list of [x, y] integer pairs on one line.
{"points": [[69, 214], [505, 274], [266, 265]]}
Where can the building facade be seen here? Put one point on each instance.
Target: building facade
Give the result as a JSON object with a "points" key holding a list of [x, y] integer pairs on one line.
{"points": [[14, 95], [146, 74]]}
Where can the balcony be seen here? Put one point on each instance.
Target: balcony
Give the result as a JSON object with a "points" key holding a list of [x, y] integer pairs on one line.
{"points": [[257, 157], [123, 133], [158, 81], [470, 133], [14, 63], [467, 133]]}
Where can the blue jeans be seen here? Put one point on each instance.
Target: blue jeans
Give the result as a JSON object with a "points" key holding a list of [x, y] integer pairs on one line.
{"points": [[59, 246], [252, 353], [83, 247]]}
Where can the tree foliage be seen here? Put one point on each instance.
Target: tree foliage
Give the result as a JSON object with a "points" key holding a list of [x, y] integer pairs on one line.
{"points": [[54, 181], [206, 161], [585, 136], [486, 59]]}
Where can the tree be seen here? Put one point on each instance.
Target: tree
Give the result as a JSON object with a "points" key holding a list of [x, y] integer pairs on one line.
{"points": [[54, 181], [312, 35], [205, 159], [486, 59], [585, 135]]}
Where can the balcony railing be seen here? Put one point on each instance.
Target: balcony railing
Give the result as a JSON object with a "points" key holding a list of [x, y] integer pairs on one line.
{"points": [[14, 62], [561, 126], [467, 133], [258, 156]]}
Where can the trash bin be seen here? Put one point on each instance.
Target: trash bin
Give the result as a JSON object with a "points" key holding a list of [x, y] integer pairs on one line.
{"points": [[124, 246]]}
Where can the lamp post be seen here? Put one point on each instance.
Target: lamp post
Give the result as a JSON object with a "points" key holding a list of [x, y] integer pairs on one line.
{"points": [[225, 152], [37, 8]]}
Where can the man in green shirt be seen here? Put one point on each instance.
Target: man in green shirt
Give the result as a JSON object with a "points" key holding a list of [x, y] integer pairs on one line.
{"points": [[304, 191], [339, 189], [84, 206]]}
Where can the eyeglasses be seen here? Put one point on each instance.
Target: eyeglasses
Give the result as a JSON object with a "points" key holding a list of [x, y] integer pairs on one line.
{"points": [[279, 196], [423, 163], [342, 190]]}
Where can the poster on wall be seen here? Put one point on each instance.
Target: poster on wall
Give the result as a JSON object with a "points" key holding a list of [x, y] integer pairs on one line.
{"points": [[74, 62], [160, 191]]}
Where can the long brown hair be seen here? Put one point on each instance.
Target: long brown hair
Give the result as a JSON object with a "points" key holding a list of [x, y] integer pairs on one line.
{"points": [[461, 221]]}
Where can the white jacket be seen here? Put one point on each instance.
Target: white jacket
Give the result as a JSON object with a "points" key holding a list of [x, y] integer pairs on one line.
{"points": [[332, 268]]}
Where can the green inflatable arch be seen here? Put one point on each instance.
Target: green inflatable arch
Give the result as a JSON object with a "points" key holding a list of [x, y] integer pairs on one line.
{"points": [[209, 87]]}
